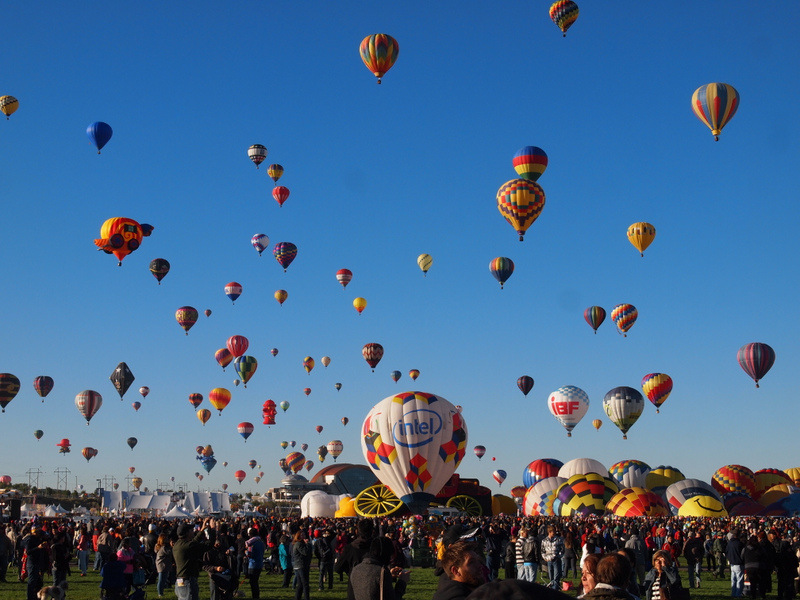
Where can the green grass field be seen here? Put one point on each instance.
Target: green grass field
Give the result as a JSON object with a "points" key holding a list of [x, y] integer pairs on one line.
{"points": [[421, 587]]}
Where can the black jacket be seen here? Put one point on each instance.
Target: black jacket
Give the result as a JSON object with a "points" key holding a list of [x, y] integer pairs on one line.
{"points": [[451, 590], [352, 555]]}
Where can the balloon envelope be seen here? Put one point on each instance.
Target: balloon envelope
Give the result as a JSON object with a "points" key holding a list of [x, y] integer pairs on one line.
{"points": [[594, 316], [379, 52], [756, 359], [539, 469], [520, 201], [641, 235], [568, 404], [43, 385], [624, 406], [715, 104], [122, 378], [88, 403], [9, 387], [525, 384], [564, 13], [99, 134], [657, 387], [530, 162]]}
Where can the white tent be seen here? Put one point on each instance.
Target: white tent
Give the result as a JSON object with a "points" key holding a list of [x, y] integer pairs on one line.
{"points": [[50, 511], [178, 512]]}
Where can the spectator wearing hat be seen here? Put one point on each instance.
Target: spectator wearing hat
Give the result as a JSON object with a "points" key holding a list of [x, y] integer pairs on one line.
{"points": [[187, 551]]}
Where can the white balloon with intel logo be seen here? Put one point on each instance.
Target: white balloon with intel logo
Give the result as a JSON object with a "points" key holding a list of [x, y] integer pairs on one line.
{"points": [[413, 442]]}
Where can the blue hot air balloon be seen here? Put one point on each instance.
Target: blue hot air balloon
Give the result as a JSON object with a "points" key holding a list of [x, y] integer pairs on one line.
{"points": [[99, 133]]}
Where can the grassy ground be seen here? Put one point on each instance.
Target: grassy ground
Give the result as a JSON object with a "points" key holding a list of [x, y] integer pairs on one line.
{"points": [[421, 587]]}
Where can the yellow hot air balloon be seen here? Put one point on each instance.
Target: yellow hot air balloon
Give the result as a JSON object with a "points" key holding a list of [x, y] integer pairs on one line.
{"points": [[360, 304], [521, 202], [641, 235], [424, 261], [308, 364], [597, 424], [8, 105], [137, 482], [204, 415], [281, 296]]}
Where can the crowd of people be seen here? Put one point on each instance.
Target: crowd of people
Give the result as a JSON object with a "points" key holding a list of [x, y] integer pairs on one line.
{"points": [[614, 558]]}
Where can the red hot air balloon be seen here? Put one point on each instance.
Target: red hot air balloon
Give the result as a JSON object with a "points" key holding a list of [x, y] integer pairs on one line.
{"points": [[280, 193], [239, 476], [319, 428], [237, 345], [195, 399], [479, 451], [344, 276], [372, 353], [756, 360], [307, 391], [136, 405], [186, 317], [525, 384]]}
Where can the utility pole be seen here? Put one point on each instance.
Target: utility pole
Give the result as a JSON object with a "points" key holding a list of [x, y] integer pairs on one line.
{"points": [[62, 477], [33, 477]]}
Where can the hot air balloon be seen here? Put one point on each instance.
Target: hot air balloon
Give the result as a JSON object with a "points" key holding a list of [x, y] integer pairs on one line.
{"points": [[525, 384], [144, 390], [131, 470], [304, 447], [679, 492], [424, 261], [257, 153], [285, 253], [624, 316], [479, 451], [637, 502], [8, 105], [88, 453], [284, 444], [268, 412], [284, 405], [623, 405], [274, 352], [233, 290], [379, 51], [120, 236], [295, 461], [539, 497], [768, 478], [252, 464], [335, 448], [275, 171], [564, 13], [499, 476], [581, 466], [568, 405], [237, 345], [245, 367], [281, 194], [224, 487], [345, 421], [309, 464], [530, 162], [88, 403], [43, 385], [195, 399], [219, 398], [245, 429], [395, 375], [122, 378], [319, 428], [204, 415], [594, 315], [307, 391], [99, 133], [281, 296], [132, 441], [372, 353], [629, 473], [597, 424], [308, 364], [501, 269], [413, 442], [584, 495], [521, 202], [38, 433], [539, 469], [136, 405], [260, 241], [641, 235], [325, 360], [657, 388], [661, 477], [64, 446], [159, 267], [756, 359], [322, 452], [239, 476], [338, 386], [715, 104], [344, 276], [413, 373], [734, 478], [360, 304], [186, 316], [207, 312]]}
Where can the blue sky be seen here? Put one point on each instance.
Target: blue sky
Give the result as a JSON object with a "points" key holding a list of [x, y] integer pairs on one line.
{"points": [[378, 175]]}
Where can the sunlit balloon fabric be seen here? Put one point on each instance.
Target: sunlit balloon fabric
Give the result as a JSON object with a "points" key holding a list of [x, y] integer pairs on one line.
{"points": [[424, 262], [120, 236], [530, 162], [538, 499], [521, 202], [641, 235], [539, 469], [88, 402], [257, 153], [661, 477], [219, 398], [624, 316], [275, 171], [637, 502], [499, 476], [630, 473], [8, 105], [680, 491], [581, 466], [568, 404], [237, 345], [768, 478], [245, 367], [564, 13], [413, 442], [756, 359], [702, 506], [281, 194], [657, 387], [285, 253], [624, 406], [584, 495], [501, 269], [379, 52], [295, 461], [594, 316], [344, 276], [260, 241], [734, 478], [715, 104], [372, 353]]}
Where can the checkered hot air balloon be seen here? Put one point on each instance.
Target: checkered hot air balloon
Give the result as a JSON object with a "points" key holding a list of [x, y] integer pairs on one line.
{"points": [[584, 495], [637, 502], [568, 404], [521, 202], [623, 405], [539, 497]]}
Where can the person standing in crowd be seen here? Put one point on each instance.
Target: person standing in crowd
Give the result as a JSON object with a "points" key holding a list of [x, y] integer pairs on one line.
{"points": [[372, 578], [663, 579], [323, 551], [531, 557], [733, 554], [164, 563], [285, 558], [767, 564], [637, 545], [60, 554], [254, 553], [495, 539], [693, 551], [612, 577], [786, 562], [354, 551], [217, 563], [36, 563], [106, 546], [510, 558], [301, 563], [711, 558], [82, 546], [752, 556], [718, 547], [570, 555], [552, 549], [125, 555], [463, 571], [6, 553], [187, 552]]}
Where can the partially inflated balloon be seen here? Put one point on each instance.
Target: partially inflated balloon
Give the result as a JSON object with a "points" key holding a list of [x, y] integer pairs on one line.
{"points": [[624, 316], [657, 387], [88, 403], [756, 359], [568, 404], [186, 316], [525, 384], [285, 253], [372, 353], [501, 269], [43, 385], [413, 442], [275, 171], [715, 104], [641, 235], [594, 316], [257, 153], [564, 13], [530, 162], [379, 52], [219, 398], [521, 202], [99, 133], [623, 405], [424, 261]]}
